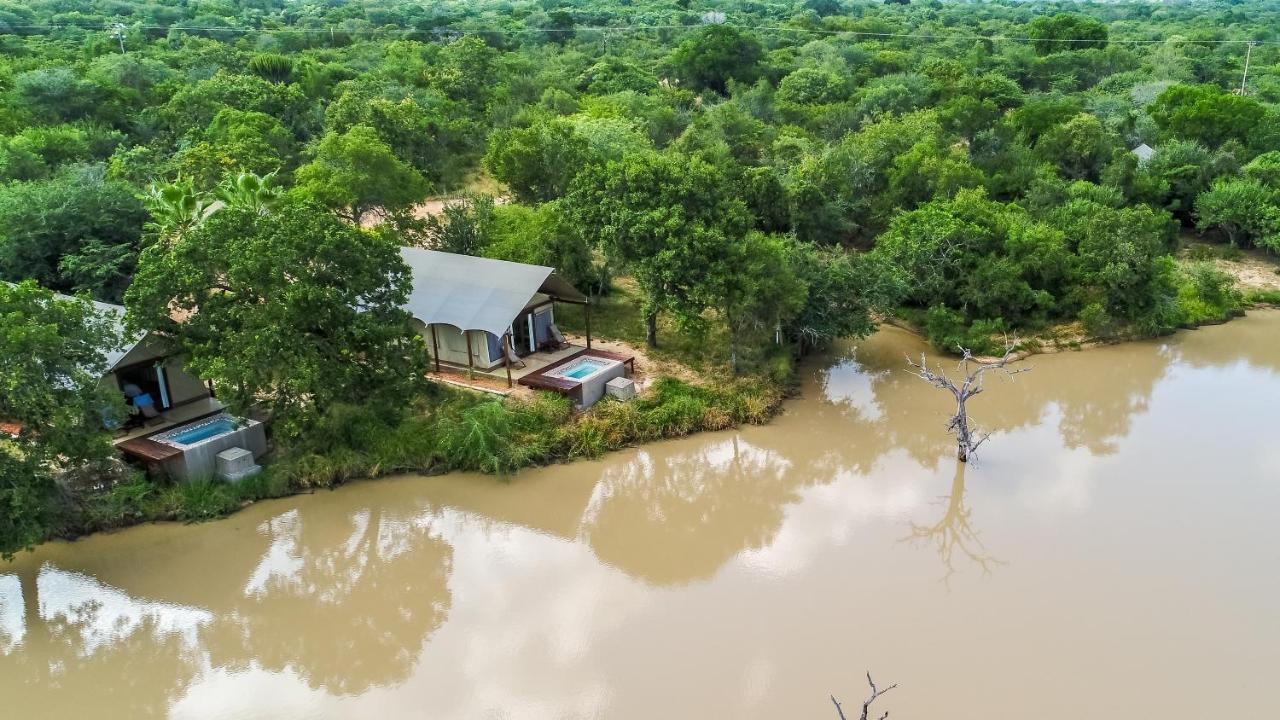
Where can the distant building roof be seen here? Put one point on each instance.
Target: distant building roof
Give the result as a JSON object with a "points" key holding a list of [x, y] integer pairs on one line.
{"points": [[474, 293], [1144, 152]]}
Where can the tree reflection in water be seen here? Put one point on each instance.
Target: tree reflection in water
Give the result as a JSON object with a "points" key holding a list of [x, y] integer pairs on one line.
{"points": [[343, 599], [84, 644], [675, 515], [954, 532], [1096, 395]]}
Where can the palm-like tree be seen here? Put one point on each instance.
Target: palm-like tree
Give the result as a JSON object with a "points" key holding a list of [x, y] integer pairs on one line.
{"points": [[259, 193], [176, 208]]}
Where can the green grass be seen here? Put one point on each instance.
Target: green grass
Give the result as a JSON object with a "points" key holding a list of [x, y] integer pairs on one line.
{"points": [[618, 316], [1263, 297], [467, 432]]}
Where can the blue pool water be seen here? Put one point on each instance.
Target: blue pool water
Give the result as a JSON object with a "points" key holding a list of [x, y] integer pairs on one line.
{"points": [[205, 431], [582, 369]]}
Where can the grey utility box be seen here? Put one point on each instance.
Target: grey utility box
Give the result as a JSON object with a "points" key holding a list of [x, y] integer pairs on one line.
{"points": [[621, 388], [236, 463]]}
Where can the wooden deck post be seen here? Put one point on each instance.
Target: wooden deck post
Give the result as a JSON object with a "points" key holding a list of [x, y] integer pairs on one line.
{"points": [[588, 309], [435, 347], [506, 357], [471, 361]]}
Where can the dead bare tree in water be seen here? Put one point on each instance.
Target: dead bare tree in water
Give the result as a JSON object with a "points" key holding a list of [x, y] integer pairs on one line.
{"points": [[866, 705], [967, 437]]}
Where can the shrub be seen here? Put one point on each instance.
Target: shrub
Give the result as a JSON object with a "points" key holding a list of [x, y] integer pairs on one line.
{"points": [[1206, 294], [481, 438], [199, 500], [1201, 252], [1096, 321], [948, 332]]}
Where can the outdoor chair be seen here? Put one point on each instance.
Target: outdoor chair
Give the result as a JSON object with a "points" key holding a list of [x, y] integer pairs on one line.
{"points": [[510, 352], [558, 337]]}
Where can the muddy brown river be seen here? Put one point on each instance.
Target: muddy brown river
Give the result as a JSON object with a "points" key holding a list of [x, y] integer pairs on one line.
{"points": [[1113, 552]]}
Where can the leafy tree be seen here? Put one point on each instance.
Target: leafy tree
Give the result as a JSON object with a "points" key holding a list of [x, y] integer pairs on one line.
{"points": [[1265, 169], [928, 171], [464, 71], [716, 54], [894, 94], [670, 220], [1038, 115], [51, 408], [1124, 262], [238, 140], [51, 229], [355, 173], [1066, 31], [430, 133], [612, 74], [544, 235], [1206, 114], [1078, 147], [1242, 208], [293, 310], [846, 291], [812, 86], [463, 226], [56, 94], [978, 257], [761, 293], [538, 162], [194, 106]]}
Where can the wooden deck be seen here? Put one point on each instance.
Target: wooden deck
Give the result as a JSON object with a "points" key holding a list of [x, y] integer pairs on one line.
{"points": [[148, 450], [540, 379]]}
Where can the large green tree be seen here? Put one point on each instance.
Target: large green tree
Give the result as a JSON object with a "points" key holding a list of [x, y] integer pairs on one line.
{"points": [[354, 173], [1207, 114], [294, 310], [1244, 209], [52, 411], [670, 219], [1065, 32], [76, 231], [716, 54], [537, 162]]}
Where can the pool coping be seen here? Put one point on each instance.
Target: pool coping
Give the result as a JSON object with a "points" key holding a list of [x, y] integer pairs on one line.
{"points": [[148, 450], [191, 425]]}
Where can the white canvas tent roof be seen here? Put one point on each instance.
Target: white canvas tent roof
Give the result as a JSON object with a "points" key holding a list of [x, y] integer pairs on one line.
{"points": [[1144, 152], [128, 342], [473, 293]]}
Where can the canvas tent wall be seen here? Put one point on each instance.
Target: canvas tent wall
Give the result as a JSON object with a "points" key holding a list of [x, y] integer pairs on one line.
{"points": [[149, 363], [463, 297]]}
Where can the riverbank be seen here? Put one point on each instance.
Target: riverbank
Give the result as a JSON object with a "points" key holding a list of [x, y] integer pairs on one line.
{"points": [[1214, 284], [446, 430], [688, 390]]}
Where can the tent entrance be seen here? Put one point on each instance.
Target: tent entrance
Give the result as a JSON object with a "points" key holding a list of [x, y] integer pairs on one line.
{"points": [[521, 334]]}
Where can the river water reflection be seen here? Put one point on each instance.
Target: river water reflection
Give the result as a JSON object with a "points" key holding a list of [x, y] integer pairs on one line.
{"points": [[1114, 553]]}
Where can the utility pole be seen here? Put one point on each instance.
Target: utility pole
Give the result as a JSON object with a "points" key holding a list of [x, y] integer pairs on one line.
{"points": [[117, 32], [1245, 78]]}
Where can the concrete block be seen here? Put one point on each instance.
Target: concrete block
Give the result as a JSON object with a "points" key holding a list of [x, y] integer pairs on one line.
{"points": [[236, 463], [621, 388]]}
